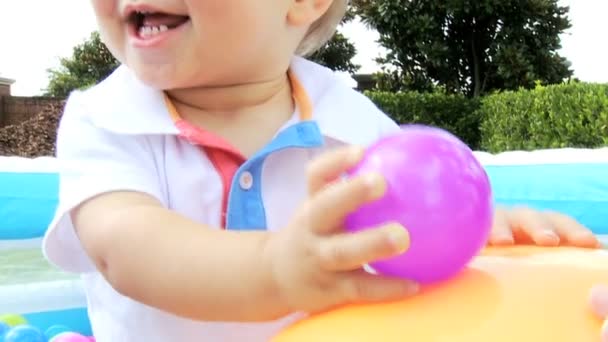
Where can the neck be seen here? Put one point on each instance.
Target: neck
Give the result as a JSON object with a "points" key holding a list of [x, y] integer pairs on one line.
{"points": [[232, 99]]}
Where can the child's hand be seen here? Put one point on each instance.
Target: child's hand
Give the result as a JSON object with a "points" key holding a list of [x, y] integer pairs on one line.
{"points": [[599, 304], [524, 225], [315, 264]]}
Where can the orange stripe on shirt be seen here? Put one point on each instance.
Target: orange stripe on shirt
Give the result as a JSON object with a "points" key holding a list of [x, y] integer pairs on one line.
{"points": [[225, 158]]}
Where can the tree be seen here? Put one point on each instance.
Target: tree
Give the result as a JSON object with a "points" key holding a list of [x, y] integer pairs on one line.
{"points": [[91, 62], [337, 54], [469, 46]]}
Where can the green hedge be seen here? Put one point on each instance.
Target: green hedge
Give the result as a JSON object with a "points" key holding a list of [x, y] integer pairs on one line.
{"points": [[454, 113], [565, 115]]}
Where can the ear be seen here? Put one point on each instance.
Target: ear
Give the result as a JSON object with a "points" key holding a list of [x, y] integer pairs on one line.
{"points": [[306, 12]]}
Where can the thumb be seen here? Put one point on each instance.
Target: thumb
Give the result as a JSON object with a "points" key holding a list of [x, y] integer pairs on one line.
{"points": [[599, 304], [599, 300]]}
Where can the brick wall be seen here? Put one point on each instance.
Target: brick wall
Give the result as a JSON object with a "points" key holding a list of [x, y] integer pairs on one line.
{"points": [[15, 109]]}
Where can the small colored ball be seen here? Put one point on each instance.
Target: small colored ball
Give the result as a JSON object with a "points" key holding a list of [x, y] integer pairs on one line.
{"points": [[4, 328], [13, 320], [70, 337], [24, 333], [55, 330], [438, 191]]}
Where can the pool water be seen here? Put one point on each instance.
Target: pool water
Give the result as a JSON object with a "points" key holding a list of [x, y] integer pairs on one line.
{"points": [[26, 266], [43, 294]]}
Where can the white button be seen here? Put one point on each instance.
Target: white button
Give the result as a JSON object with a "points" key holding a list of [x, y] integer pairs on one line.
{"points": [[246, 180]]}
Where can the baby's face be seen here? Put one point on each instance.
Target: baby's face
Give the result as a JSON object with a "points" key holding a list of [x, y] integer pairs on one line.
{"points": [[188, 43]]}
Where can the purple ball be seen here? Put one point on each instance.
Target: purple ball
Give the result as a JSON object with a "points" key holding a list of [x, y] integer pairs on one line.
{"points": [[439, 191]]}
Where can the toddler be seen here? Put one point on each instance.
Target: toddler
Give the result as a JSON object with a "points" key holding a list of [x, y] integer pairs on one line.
{"points": [[197, 193]]}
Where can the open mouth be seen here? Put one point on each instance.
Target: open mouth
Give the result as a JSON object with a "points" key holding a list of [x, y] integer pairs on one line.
{"points": [[146, 24]]}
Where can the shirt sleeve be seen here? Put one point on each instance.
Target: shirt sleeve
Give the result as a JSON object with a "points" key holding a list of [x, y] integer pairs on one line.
{"points": [[92, 161]]}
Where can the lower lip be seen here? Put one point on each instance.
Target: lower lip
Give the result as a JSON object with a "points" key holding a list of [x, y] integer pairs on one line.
{"points": [[153, 41]]}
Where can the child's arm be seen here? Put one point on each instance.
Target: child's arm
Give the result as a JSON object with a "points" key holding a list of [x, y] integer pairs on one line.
{"points": [[161, 259]]}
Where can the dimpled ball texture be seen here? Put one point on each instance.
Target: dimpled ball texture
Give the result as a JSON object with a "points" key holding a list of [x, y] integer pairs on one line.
{"points": [[439, 191], [24, 333]]}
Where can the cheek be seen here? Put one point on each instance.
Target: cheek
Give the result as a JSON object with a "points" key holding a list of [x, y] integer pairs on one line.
{"points": [[232, 17], [105, 8], [110, 28], [241, 26]]}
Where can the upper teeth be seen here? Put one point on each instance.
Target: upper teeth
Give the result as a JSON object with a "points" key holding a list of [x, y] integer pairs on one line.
{"points": [[143, 12]]}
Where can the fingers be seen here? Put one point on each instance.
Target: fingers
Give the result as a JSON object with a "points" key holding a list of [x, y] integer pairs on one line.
{"points": [[533, 224], [549, 229], [326, 211], [347, 252], [362, 287], [331, 165], [598, 299], [571, 231], [501, 234]]}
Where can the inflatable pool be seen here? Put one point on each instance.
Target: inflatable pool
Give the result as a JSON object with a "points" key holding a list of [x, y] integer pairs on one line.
{"points": [[573, 181], [29, 286]]}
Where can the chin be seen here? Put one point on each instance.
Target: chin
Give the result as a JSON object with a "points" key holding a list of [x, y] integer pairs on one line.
{"points": [[169, 77], [157, 77]]}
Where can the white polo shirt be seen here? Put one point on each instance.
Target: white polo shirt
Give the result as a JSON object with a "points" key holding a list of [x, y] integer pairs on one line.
{"points": [[121, 135]]}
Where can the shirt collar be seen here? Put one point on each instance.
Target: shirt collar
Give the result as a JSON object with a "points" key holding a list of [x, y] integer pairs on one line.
{"points": [[125, 105]]}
